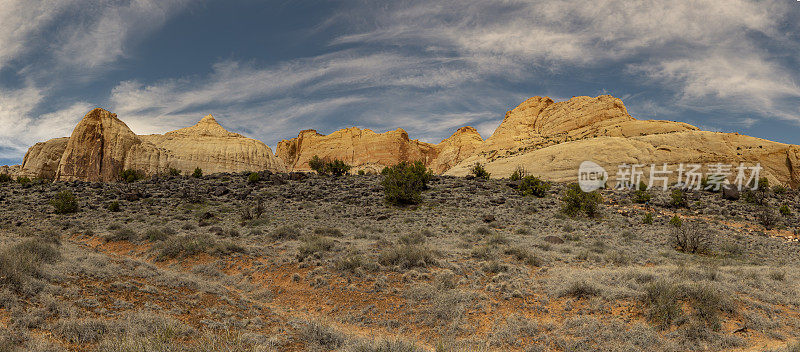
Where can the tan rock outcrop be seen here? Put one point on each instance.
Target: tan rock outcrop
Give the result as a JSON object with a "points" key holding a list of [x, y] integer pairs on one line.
{"points": [[365, 149], [102, 146], [354, 146], [42, 159], [11, 170], [552, 139]]}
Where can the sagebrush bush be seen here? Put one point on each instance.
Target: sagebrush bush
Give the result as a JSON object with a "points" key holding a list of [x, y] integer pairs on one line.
{"points": [[661, 301], [114, 207], [407, 256], [577, 201], [785, 211], [314, 246], [480, 172], [4, 178], [692, 239], [533, 186], [64, 203], [174, 172], [648, 219], [20, 262], [403, 183]]}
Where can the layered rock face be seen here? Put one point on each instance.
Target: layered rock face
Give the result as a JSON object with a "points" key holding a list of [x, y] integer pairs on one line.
{"points": [[102, 146], [365, 149], [551, 140]]}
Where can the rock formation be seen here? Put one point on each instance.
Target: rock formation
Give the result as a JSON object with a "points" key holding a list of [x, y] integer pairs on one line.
{"points": [[549, 139], [552, 139], [365, 149], [102, 146]]}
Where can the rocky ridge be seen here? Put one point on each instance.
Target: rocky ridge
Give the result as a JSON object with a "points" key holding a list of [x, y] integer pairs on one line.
{"points": [[547, 138]]}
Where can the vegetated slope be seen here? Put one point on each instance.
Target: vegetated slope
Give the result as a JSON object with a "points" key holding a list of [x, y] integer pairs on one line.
{"points": [[297, 262]]}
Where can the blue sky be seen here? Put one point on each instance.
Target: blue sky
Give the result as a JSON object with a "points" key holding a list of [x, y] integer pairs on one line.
{"points": [[269, 69]]}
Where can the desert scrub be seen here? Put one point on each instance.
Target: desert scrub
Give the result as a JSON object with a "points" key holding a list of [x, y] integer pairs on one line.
{"points": [[785, 211], [190, 245], [20, 262], [313, 246], [64, 202], [648, 219], [407, 256], [403, 183], [328, 231], [254, 178], [198, 173], [174, 172], [664, 303], [524, 255], [131, 175], [518, 174], [325, 167], [577, 201], [286, 232], [122, 234], [533, 186], [678, 199], [641, 196], [114, 207], [480, 172], [5, 178]]}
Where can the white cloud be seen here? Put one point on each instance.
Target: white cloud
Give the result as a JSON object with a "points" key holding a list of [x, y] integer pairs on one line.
{"points": [[112, 25], [22, 128], [21, 19], [702, 49]]}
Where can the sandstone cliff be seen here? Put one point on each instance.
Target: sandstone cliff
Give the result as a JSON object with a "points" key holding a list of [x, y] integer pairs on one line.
{"points": [[101, 146], [551, 140], [365, 149]]}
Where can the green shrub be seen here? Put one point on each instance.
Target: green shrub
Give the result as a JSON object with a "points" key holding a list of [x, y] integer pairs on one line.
{"points": [[198, 173], [338, 168], [678, 198], [479, 172], [778, 189], [65, 203], [326, 167], [763, 183], [648, 219], [131, 175], [4, 178], [785, 210], [676, 221], [317, 164], [533, 186], [641, 197], [174, 172], [519, 173], [403, 183], [361, 172], [23, 180], [114, 207], [577, 201], [254, 177]]}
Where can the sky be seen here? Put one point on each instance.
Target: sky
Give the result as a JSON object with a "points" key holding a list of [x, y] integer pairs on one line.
{"points": [[268, 69]]}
